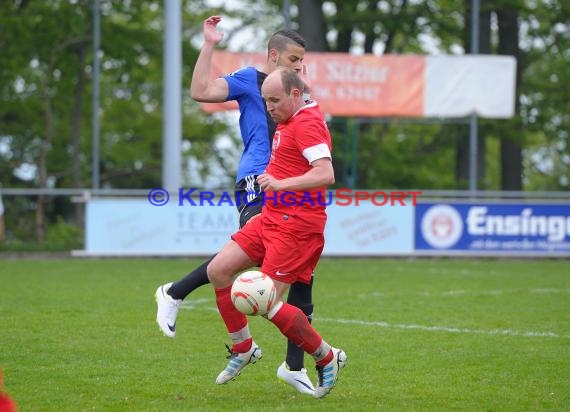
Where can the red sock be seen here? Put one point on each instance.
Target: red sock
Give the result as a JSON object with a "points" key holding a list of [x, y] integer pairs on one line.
{"points": [[293, 323], [326, 359], [234, 319]]}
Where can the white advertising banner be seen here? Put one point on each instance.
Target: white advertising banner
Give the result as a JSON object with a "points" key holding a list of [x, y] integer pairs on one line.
{"points": [[136, 227], [369, 230], [457, 86]]}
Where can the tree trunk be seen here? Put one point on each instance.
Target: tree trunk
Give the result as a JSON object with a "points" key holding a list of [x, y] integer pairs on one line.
{"points": [[312, 25], [42, 167], [511, 151], [75, 126]]}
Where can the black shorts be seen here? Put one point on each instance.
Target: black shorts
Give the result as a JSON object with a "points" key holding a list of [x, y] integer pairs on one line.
{"points": [[248, 199]]}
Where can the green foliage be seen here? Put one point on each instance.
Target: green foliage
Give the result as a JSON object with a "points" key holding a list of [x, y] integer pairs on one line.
{"points": [[64, 236], [18, 220], [407, 156], [19, 223], [544, 99], [421, 335]]}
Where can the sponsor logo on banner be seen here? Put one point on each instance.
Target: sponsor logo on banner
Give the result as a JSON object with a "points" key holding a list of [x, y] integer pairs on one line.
{"points": [[493, 227], [442, 226]]}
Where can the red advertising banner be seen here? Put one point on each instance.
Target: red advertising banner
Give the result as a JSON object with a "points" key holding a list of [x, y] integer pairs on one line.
{"points": [[348, 85]]}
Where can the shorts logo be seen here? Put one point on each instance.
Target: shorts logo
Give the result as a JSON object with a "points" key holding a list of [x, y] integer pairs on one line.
{"points": [[278, 273], [442, 226]]}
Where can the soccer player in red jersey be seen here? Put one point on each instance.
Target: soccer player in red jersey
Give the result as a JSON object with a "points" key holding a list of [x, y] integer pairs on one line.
{"points": [[288, 238], [284, 48]]}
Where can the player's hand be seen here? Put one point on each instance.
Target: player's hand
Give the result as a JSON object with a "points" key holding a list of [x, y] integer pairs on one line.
{"points": [[211, 35], [268, 182], [304, 75]]}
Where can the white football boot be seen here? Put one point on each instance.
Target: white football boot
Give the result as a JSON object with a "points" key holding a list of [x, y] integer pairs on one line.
{"points": [[328, 374], [237, 361], [297, 379], [167, 310]]}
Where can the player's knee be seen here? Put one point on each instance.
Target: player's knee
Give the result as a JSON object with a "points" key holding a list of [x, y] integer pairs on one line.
{"points": [[218, 273], [211, 271]]}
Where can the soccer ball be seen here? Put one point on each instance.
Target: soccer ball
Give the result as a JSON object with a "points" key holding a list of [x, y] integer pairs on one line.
{"points": [[253, 293]]}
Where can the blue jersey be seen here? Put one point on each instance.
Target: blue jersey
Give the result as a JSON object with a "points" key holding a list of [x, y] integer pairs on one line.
{"points": [[255, 125]]}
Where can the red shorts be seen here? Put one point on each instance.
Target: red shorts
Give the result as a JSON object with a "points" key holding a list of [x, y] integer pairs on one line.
{"points": [[284, 256]]}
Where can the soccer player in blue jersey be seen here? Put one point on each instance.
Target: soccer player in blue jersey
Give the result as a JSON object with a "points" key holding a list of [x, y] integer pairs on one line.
{"points": [[285, 48]]}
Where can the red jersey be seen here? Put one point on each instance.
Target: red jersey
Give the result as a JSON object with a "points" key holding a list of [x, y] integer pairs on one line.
{"points": [[297, 143]]}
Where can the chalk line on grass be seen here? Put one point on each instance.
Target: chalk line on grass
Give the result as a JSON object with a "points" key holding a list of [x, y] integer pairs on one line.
{"points": [[200, 304], [503, 332], [467, 292]]}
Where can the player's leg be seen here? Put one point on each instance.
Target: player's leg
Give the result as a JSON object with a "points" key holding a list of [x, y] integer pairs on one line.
{"points": [[222, 270], [192, 281], [298, 257], [170, 295], [293, 371], [292, 323], [301, 296]]}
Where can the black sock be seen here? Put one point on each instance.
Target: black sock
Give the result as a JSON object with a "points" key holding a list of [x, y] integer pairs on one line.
{"points": [[193, 280], [300, 295]]}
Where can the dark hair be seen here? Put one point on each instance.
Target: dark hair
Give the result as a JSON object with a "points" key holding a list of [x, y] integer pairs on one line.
{"points": [[279, 40], [290, 80]]}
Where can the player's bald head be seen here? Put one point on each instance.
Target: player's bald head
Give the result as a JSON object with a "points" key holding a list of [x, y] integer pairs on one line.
{"points": [[285, 79], [282, 91]]}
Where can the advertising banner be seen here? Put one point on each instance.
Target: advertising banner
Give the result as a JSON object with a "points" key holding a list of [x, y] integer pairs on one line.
{"points": [[396, 85], [137, 227], [369, 230], [530, 228], [365, 227], [134, 226]]}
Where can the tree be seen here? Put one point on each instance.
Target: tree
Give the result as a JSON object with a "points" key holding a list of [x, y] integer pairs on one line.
{"points": [[511, 151], [45, 108], [38, 80], [543, 99]]}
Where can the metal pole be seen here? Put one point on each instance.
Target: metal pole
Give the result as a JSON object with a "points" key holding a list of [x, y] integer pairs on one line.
{"points": [[95, 118], [473, 129], [172, 112]]}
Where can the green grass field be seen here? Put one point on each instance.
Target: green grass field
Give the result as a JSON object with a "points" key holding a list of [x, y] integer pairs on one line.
{"points": [[420, 335]]}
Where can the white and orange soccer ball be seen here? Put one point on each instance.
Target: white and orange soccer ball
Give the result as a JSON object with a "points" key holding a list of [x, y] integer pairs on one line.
{"points": [[253, 293]]}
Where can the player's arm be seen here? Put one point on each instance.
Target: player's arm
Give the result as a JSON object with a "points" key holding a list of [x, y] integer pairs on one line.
{"points": [[304, 75], [321, 174], [202, 89]]}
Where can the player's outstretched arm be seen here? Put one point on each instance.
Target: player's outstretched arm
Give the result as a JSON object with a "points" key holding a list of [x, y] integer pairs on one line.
{"points": [[202, 88]]}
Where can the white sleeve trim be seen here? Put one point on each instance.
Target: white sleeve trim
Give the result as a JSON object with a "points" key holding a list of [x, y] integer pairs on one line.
{"points": [[317, 152]]}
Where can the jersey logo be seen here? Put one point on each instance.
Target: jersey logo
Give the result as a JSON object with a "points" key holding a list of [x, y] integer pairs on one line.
{"points": [[276, 142]]}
